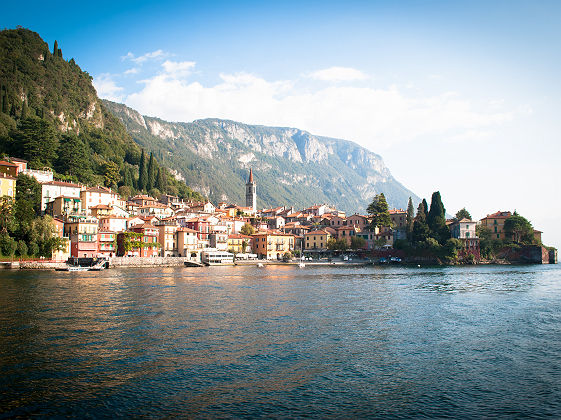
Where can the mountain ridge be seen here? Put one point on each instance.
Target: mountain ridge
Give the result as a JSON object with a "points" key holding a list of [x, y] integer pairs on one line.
{"points": [[291, 166]]}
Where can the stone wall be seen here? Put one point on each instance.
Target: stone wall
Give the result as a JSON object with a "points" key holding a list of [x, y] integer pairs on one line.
{"points": [[146, 261]]}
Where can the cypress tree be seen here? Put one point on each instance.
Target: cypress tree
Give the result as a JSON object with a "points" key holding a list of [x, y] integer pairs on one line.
{"points": [[151, 173], [142, 172], [410, 219], [436, 219], [420, 228], [161, 183], [24, 110], [55, 49]]}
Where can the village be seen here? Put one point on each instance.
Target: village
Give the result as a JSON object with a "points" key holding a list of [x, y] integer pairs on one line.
{"points": [[95, 222]]}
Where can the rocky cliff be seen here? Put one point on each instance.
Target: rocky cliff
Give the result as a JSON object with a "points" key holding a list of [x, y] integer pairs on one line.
{"points": [[291, 166]]}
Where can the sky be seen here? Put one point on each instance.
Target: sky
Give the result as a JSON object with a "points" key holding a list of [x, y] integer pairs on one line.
{"points": [[460, 97]]}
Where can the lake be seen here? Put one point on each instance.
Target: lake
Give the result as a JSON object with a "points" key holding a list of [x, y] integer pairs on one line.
{"points": [[279, 341]]}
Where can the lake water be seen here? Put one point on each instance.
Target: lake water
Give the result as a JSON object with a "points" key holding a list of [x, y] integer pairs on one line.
{"points": [[282, 342]]}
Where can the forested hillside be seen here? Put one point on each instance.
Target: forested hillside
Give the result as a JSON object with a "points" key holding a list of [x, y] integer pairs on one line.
{"points": [[51, 116]]}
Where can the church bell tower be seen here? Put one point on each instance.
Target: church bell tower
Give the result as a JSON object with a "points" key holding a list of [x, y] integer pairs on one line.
{"points": [[250, 193]]}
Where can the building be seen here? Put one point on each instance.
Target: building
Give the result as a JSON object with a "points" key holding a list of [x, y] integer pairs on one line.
{"points": [[64, 206], [251, 193], [358, 220], [107, 243], [96, 196], [347, 233], [9, 168], [187, 243], [399, 223], [316, 240], [52, 189], [21, 164], [202, 227], [83, 234], [139, 241], [7, 186], [272, 245], [167, 238], [239, 244], [495, 222], [113, 223], [462, 229]]}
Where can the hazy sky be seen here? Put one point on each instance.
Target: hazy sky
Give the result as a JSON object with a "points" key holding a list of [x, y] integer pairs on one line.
{"points": [[461, 97]]}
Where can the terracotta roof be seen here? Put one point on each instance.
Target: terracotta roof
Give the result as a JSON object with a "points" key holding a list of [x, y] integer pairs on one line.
{"points": [[318, 232], [238, 236], [498, 215], [187, 230], [6, 163], [62, 184], [98, 189], [101, 206]]}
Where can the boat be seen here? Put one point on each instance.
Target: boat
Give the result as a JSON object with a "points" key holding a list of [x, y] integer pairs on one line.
{"points": [[260, 265]]}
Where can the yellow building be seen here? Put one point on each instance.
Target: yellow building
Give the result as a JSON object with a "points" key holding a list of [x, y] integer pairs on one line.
{"points": [[316, 239], [495, 222], [272, 245], [7, 186], [236, 243]]}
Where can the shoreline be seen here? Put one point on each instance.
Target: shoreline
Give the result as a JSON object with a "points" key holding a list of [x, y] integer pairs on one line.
{"points": [[120, 262]]}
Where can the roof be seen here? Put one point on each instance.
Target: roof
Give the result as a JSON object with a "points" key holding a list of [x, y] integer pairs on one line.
{"points": [[498, 215], [250, 176], [183, 229], [238, 236], [318, 232], [19, 160], [101, 206], [6, 163], [62, 184], [98, 189]]}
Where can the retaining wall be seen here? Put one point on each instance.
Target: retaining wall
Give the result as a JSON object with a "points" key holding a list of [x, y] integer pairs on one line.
{"points": [[115, 262]]}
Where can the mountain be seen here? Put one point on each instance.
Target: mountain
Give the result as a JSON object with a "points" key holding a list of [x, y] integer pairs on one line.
{"points": [[291, 166], [51, 116]]}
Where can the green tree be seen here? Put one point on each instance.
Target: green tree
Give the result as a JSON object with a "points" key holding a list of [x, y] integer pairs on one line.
{"points": [[410, 220], [379, 211], [357, 242], [436, 219], [55, 48], [142, 173], [161, 181], [6, 214], [421, 229], [73, 159], [151, 182], [463, 214], [110, 174], [36, 141], [28, 198], [125, 192], [519, 229], [247, 229], [21, 249], [8, 245]]}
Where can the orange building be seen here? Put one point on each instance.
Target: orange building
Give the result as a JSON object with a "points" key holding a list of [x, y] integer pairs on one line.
{"points": [[495, 222], [272, 245]]}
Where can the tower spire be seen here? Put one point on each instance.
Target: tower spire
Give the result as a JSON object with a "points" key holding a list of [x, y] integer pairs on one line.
{"points": [[250, 176]]}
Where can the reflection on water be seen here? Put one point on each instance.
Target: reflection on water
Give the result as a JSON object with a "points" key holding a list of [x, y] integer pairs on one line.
{"points": [[282, 341]]}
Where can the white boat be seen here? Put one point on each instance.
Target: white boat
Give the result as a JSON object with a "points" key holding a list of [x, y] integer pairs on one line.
{"points": [[260, 265]]}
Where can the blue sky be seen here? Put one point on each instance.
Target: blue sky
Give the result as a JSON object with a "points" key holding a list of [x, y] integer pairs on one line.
{"points": [[462, 97]]}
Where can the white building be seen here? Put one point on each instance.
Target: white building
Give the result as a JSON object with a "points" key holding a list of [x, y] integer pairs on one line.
{"points": [[53, 189]]}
